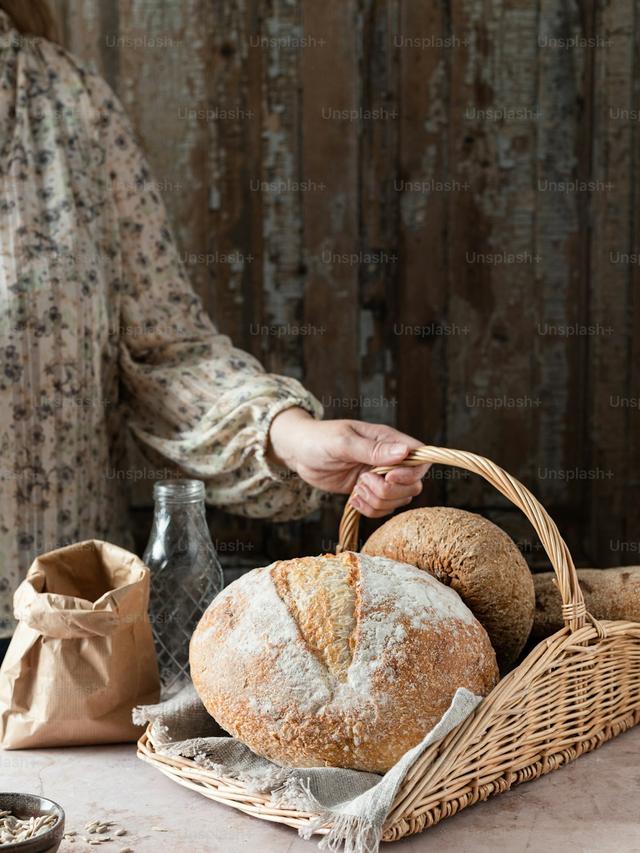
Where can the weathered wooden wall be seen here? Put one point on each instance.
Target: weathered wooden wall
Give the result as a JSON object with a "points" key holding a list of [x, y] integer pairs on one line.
{"points": [[443, 194]]}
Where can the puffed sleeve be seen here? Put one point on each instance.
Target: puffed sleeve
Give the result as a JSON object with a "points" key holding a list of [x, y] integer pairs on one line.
{"points": [[192, 398]]}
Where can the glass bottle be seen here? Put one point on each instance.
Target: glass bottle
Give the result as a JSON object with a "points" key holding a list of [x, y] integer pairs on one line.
{"points": [[185, 575]]}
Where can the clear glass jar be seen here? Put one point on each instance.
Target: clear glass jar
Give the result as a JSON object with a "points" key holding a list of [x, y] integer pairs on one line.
{"points": [[185, 575]]}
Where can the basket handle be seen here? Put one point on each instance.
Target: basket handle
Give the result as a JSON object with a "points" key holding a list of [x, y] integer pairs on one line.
{"points": [[573, 607]]}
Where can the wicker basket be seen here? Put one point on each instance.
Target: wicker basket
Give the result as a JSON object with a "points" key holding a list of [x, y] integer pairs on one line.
{"points": [[574, 691]]}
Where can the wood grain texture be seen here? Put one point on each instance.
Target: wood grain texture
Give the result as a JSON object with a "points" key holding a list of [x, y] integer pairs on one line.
{"points": [[631, 483], [173, 77], [493, 125], [611, 279], [379, 202], [234, 157], [443, 195], [330, 95], [421, 301], [561, 277]]}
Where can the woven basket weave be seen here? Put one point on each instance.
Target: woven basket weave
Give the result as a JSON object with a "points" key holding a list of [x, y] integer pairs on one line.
{"points": [[574, 691]]}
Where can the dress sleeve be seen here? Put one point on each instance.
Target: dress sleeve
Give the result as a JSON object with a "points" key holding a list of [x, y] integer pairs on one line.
{"points": [[192, 398]]}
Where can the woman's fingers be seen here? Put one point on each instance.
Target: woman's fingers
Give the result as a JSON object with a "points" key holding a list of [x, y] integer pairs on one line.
{"points": [[373, 496], [376, 495], [406, 475], [387, 490], [365, 508]]}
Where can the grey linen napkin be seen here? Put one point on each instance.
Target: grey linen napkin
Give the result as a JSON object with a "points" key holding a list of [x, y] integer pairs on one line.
{"points": [[355, 804]]}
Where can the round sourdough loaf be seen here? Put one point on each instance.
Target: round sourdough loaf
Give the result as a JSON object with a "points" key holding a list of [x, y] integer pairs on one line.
{"points": [[346, 661], [472, 556]]}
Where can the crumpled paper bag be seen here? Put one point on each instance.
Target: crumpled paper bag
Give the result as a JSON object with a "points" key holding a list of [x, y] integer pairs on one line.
{"points": [[82, 655]]}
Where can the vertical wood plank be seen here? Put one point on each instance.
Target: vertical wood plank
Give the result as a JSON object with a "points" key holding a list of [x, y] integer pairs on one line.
{"points": [[278, 176], [165, 69], [235, 155], [90, 31], [420, 306], [329, 78], [559, 299], [378, 210], [611, 281], [632, 478], [492, 396]]}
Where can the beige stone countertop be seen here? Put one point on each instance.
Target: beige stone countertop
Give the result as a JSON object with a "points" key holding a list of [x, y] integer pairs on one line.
{"points": [[590, 805]]}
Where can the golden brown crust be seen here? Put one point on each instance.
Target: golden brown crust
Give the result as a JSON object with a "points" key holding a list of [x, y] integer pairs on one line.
{"points": [[280, 686], [474, 557], [320, 596], [608, 594]]}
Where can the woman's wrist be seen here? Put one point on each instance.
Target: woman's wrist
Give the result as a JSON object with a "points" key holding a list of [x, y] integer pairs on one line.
{"points": [[287, 432]]}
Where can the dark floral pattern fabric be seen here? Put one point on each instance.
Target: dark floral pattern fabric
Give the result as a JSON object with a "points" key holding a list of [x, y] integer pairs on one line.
{"points": [[101, 336]]}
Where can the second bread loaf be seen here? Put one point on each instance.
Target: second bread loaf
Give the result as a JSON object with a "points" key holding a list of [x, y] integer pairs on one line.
{"points": [[474, 557], [608, 594]]}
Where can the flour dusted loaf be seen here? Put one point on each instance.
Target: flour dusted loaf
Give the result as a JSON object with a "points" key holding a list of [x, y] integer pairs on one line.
{"points": [[474, 557], [345, 661]]}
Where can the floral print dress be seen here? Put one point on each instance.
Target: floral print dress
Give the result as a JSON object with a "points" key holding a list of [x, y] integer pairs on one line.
{"points": [[101, 335]]}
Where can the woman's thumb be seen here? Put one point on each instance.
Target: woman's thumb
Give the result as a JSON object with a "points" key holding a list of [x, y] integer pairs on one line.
{"points": [[375, 452], [390, 452]]}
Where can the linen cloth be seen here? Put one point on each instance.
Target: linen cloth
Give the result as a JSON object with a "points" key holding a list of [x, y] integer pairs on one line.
{"points": [[101, 335], [355, 803]]}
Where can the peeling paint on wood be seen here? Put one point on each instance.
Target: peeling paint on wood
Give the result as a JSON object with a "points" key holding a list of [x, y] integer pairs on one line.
{"points": [[414, 332]]}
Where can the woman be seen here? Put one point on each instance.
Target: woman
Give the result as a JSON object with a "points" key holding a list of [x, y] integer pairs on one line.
{"points": [[102, 337]]}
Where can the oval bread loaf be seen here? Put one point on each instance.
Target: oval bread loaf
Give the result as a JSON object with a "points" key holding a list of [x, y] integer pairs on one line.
{"points": [[608, 594], [474, 557], [346, 661]]}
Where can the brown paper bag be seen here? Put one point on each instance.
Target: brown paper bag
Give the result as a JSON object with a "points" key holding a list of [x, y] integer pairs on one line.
{"points": [[82, 656]]}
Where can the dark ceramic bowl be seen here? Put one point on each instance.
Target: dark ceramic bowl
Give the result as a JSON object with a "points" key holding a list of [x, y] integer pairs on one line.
{"points": [[26, 805]]}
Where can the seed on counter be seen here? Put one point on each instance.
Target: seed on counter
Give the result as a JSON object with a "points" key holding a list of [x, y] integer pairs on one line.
{"points": [[158, 829], [121, 831], [126, 850], [98, 826]]}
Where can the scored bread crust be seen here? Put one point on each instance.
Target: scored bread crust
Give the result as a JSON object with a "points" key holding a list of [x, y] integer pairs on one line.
{"points": [[474, 557], [344, 661]]}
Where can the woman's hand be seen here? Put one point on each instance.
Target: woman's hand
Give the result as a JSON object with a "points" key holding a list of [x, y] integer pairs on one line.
{"points": [[336, 455]]}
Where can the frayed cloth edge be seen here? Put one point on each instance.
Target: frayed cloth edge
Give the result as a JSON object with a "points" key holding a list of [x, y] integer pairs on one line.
{"points": [[353, 832]]}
